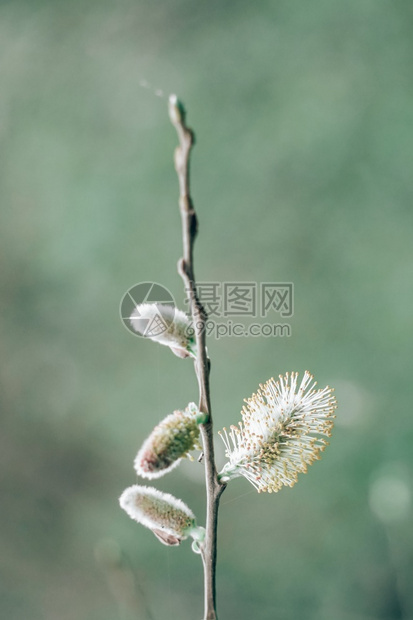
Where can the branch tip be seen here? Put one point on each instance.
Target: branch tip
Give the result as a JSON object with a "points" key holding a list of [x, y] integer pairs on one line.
{"points": [[176, 110]]}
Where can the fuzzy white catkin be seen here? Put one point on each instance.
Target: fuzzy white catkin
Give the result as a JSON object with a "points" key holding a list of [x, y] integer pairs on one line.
{"points": [[160, 512], [170, 441], [166, 325], [279, 435]]}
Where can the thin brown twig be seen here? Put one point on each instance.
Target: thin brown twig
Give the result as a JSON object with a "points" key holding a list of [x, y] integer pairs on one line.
{"points": [[202, 363]]}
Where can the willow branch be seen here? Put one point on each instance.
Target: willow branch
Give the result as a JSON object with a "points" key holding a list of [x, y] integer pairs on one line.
{"points": [[202, 363]]}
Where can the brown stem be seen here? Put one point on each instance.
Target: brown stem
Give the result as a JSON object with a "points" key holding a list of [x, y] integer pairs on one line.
{"points": [[202, 363]]}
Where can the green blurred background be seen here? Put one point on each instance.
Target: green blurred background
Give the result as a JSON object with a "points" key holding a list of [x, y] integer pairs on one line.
{"points": [[301, 172]]}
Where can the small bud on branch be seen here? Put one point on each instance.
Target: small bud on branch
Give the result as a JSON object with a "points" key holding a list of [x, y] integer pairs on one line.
{"points": [[166, 325], [168, 517], [170, 441], [176, 110]]}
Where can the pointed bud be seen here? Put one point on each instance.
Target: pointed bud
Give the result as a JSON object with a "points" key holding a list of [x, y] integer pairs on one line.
{"points": [[168, 517], [176, 110], [170, 441], [166, 325]]}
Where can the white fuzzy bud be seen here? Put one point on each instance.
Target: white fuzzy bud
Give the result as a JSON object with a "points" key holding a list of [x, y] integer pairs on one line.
{"points": [[168, 517], [166, 325], [170, 441]]}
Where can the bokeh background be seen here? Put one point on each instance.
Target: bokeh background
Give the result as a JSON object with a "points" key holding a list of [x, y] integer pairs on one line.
{"points": [[301, 172]]}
